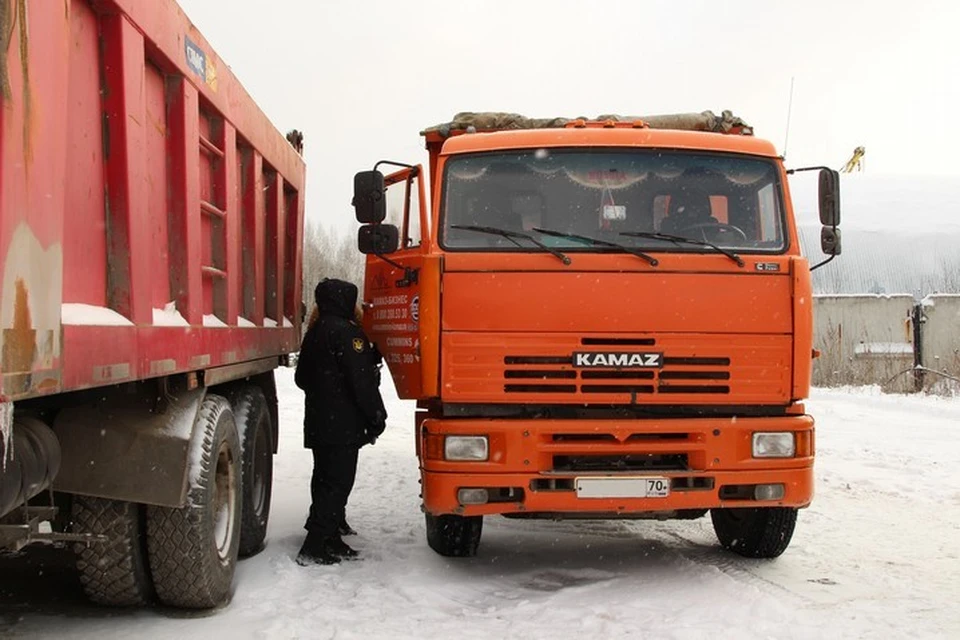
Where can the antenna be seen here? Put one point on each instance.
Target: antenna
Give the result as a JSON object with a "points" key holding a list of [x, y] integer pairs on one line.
{"points": [[786, 136]]}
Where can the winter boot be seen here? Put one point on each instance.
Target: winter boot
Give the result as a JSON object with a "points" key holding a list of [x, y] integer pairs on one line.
{"points": [[345, 529], [316, 550], [338, 547]]}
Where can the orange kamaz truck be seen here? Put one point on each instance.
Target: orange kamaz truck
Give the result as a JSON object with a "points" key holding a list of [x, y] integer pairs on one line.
{"points": [[604, 318]]}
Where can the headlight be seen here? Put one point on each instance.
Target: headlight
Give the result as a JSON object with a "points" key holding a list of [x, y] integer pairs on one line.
{"points": [[774, 445], [466, 448]]}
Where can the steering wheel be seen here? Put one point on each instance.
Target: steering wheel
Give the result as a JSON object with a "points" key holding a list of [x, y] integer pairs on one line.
{"points": [[721, 227]]}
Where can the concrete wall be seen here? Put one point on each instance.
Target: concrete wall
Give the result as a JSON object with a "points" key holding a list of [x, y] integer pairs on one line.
{"points": [[941, 336], [863, 339]]}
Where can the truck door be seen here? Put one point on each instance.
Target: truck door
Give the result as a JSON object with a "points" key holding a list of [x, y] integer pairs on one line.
{"points": [[391, 296]]}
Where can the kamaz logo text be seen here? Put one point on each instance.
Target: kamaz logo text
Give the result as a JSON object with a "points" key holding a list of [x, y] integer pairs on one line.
{"points": [[618, 360]]}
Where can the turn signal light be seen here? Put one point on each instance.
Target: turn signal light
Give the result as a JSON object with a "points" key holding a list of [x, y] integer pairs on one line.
{"points": [[433, 447]]}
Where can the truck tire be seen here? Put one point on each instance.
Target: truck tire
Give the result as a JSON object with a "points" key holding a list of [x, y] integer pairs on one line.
{"points": [[193, 549], [114, 572], [256, 445], [763, 532], [454, 536]]}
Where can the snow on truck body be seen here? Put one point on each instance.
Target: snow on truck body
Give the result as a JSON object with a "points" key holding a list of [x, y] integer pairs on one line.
{"points": [[572, 354], [150, 230]]}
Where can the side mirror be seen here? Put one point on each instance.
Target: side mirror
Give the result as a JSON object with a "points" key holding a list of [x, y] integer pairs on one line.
{"points": [[369, 202], [829, 198], [830, 241], [378, 239]]}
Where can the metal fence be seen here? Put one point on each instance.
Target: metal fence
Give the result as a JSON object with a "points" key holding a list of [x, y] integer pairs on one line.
{"points": [[891, 341]]}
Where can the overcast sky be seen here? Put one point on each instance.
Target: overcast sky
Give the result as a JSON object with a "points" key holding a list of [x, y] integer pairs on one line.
{"points": [[361, 79]]}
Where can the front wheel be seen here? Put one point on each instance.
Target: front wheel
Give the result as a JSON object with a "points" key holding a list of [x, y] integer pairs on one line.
{"points": [[454, 536], [763, 532]]}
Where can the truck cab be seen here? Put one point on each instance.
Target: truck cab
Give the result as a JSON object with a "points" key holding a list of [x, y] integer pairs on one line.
{"points": [[599, 319]]}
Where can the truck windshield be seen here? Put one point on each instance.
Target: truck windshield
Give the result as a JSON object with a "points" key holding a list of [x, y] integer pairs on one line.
{"points": [[624, 198]]}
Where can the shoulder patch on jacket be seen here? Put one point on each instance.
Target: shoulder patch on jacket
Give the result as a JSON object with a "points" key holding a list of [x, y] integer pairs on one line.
{"points": [[358, 345]]}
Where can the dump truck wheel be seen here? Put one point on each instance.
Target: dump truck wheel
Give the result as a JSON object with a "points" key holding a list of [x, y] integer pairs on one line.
{"points": [[193, 549], [454, 536], [755, 533], [256, 445], [113, 572]]}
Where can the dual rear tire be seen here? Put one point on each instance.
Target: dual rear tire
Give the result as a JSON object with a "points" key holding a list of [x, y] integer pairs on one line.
{"points": [[186, 556], [256, 444], [193, 549], [114, 572]]}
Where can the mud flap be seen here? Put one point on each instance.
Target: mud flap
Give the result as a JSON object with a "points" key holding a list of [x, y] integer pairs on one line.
{"points": [[127, 451]]}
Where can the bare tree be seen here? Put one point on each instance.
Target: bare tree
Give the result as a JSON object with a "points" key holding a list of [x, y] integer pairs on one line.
{"points": [[949, 274], [329, 254]]}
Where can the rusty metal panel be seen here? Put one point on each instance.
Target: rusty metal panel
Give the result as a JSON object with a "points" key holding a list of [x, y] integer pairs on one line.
{"points": [[252, 232], [84, 256], [183, 46], [232, 247], [128, 242], [157, 132], [291, 265], [33, 144], [273, 286], [185, 244], [119, 168], [219, 375]]}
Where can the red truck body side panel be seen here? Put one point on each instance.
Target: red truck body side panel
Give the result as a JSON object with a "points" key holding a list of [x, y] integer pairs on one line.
{"points": [[151, 216]]}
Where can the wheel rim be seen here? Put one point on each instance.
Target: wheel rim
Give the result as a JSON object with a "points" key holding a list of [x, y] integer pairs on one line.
{"points": [[261, 462], [224, 501]]}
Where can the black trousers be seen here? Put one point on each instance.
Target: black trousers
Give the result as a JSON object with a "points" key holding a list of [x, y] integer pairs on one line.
{"points": [[334, 470]]}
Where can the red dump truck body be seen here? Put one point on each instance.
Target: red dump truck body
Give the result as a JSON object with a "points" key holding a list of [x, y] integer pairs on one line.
{"points": [[137, 172], [151, 224]]}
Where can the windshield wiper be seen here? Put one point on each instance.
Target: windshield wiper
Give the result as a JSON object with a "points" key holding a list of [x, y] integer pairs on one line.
{"points": [[598, 242], [510, 235], [682, 240]]}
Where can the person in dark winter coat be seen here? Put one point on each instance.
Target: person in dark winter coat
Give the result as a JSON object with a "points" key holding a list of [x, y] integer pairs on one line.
{"points": [[339, 372]]}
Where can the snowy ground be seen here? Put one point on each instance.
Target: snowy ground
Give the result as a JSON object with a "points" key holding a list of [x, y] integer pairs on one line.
{"points": [[875, 556]]}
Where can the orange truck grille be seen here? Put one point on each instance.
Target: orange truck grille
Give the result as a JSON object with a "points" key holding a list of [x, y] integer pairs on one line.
{"points": [[678, 375], [568, 368]]}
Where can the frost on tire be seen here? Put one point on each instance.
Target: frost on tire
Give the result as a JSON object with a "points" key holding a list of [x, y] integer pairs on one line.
{"points": [[755, 533], [454, 536], [256, 443], [193, 549], [113, 572]]}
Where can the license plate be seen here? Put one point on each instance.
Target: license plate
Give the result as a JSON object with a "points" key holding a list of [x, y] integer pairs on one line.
{"points": [[642, 487]]}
